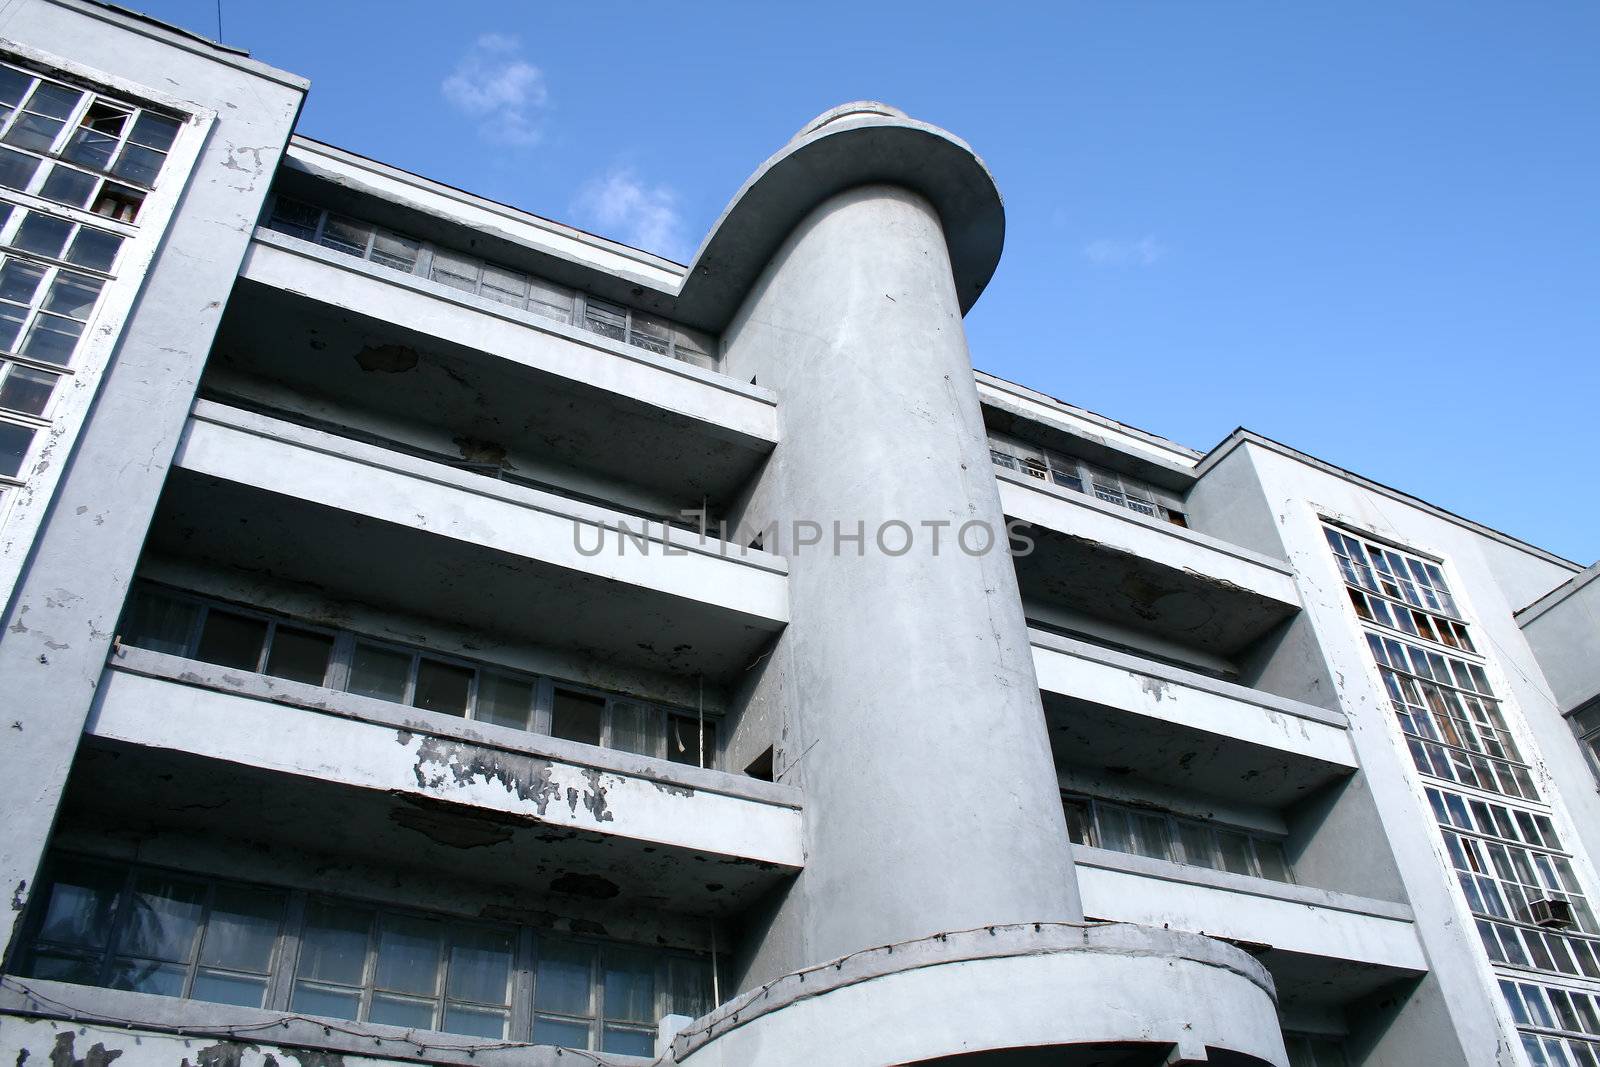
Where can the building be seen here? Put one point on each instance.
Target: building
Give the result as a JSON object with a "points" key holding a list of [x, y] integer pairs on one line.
{"points": [[437, 635]]}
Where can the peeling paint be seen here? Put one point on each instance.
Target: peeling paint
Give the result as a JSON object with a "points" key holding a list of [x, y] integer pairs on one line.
{"points": [[64, 1055]]}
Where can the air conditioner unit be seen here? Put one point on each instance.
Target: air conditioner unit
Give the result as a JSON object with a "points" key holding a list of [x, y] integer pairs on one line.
{"points": [[1556, 914]]}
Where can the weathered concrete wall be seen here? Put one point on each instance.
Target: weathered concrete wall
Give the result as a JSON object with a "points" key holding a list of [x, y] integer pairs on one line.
{"points": [[909, 678], [59, 622], [1563, 629]]}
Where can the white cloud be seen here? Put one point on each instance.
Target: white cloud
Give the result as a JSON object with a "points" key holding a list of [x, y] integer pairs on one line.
{"points": [[496, 85], [1114, 252], [642, 215]]}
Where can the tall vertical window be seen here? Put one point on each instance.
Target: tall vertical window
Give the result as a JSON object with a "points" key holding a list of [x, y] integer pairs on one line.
{"points": [[75, 168], [1531, 911]]}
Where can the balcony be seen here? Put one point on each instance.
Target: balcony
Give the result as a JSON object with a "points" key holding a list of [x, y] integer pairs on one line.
{"points": [[388, 529], [1324, 949], [1136, 572], [1185, 730], [196, 748], [328, 327]]}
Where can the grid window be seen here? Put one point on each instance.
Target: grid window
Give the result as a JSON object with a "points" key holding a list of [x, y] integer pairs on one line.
{"points": [[359, 963], [249, 640], [1072, 473], [153, 932], [1159, 835], [502, 284], [1508, 859], [78, 147], [609, 997]]}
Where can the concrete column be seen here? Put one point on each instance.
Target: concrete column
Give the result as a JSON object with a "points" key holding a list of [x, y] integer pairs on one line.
{"points": [[914, 716]]}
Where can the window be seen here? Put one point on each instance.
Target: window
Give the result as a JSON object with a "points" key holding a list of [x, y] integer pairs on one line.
{"points": [[360, 964], [77, 147], [1080, 477], [249, 640], [1506, 854], [106, 924], [152, 932], [504, 285], [1142, 832]]}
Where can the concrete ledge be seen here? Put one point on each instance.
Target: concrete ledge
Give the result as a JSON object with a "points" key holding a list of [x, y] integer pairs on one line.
{"points": [[1322, 947], [1196, 541], [297, 462], [1043, 986], [390, 715], [1231, 691], [245, 719], [48, 1022], [1185, 874], [412, 302]]}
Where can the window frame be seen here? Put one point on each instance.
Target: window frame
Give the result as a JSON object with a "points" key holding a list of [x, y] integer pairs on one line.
{"points": [[1176, 848]]}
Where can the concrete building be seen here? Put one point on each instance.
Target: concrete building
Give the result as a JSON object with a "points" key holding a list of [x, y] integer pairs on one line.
{"points": [[434, 634]]}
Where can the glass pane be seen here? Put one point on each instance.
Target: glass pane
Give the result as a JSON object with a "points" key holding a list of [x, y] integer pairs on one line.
{"points": [[1269, 854], [82, 897], [443, 687], [331, 1003], [379, 672], [19, 281], [221, 988], [630, 986], [27, 390], [14, 442], [562, 1032], [68, 186], [346, 235], [154, 131], [52, 339], [459, 272], [11, 320], [408, 955], [299, 655], [242, 929], [650, 333], [1150, 837], [635, 727], [43, 234], [294, 218], [91, 147], [37, 132], [1234, 849], [58, 967], [604, 318], [230, 640], [57, 101], [504, 701], [478, 1022], [576, 716], [95, 249], [1198, 846], [392, 250], [333, 945], [138, 164], [148, 976], [16, 169], [163, 918], [629, 1042], [1112, 824], [480, 965], [688, 986], [506, 286], [401, 1011], [159, 623], [13, 84], [1078, 822], [564, 978], [73, 295], [686, 741]]}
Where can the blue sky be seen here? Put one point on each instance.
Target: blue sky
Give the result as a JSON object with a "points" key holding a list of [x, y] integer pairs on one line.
{"points": [[1369, 230]]}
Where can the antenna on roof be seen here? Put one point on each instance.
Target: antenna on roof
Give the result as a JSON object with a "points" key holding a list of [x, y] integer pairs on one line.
{"points": [[219, 21]]}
